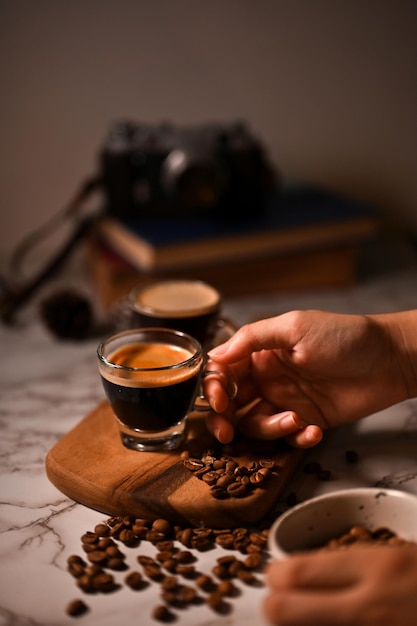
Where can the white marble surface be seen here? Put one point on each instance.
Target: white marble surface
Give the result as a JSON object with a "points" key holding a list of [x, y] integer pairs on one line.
{"points": [[48, 386]]}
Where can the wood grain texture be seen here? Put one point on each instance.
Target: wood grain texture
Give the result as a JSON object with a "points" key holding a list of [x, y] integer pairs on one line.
{"points": [[90, 465]]}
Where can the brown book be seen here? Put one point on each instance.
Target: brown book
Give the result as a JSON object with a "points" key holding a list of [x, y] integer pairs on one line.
{"points": [[112, 277]]}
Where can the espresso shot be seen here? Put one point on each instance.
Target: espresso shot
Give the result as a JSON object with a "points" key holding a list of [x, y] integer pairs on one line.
{"points": [[151, 378], [190, 306]]}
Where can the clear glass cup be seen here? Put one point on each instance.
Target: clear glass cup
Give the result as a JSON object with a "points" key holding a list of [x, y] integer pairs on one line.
{"points": [[152, 379], [191, 306]]}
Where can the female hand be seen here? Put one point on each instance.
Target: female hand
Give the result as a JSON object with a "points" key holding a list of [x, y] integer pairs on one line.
{"points": [[306, 371], [358, 586]]}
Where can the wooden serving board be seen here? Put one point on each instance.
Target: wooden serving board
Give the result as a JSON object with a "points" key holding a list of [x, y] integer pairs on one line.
{"points": [[90, 465]]}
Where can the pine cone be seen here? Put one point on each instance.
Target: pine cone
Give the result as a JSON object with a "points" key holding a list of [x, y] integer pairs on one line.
{"points": [[67, 314]]}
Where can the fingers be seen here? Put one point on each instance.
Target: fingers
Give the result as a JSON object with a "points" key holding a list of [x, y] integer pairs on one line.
{"points": [[221, 427], [219, 386], [261, 424], [313, 570], [299, 590], [304, 608], [263, 335], [305, 437]]}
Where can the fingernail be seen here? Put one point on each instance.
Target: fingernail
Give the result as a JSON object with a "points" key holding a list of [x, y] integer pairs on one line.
{"points": [[289, 421], [218, 350]]}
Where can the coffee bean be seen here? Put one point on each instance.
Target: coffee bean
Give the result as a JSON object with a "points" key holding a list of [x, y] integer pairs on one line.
{"points": [[162, 613], [163, 556], [225, 480], [85, 583], [103, 582], [127, 537], [146, 560], [226, 588], [219, 493], [162, 526], [134, 580], [257, 478], [184, 556], [205, 583], [170, 565], [185, 537], [75, 566], [253, 561], [188, 571], [153, 572], [165, 545], [221, 571], [102, 530], [193, 464], [140, 530], [113, 552], [93, 570], [211, 477], [216, 602], [312, 467], [97, 556], [105, 542], [225, 540], [186, 594], [351, 456], [268, 463], [246, 577], [76, 608], [237, 490], [89, 537], [154, 536], [169, 583], [116, 564]]}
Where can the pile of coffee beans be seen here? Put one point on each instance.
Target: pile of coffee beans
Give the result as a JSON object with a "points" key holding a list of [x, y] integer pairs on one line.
{"points": [[173, 565], [226, 477], [362, 534]]}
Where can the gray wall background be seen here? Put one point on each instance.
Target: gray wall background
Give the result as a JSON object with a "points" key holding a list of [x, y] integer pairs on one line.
{"points": [[329, 86]]}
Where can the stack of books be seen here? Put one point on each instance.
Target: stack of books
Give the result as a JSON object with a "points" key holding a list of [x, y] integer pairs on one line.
{"points": [[309, 238]]}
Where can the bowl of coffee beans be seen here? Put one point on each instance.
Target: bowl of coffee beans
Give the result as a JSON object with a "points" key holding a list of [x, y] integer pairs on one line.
{"points": [[342, 518]]}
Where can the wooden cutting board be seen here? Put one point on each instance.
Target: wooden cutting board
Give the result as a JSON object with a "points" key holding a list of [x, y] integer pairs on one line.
{"points": [[90, 465]]}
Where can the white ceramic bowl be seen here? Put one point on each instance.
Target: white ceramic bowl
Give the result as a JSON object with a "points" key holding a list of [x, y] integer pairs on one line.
{"points": [[314, 522]]}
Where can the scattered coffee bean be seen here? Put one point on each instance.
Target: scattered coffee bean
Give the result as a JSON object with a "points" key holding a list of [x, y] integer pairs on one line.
{"points": [[351, 456], [162, 613], [205, 583], [171, 564], [76, 608], [324, 474], [134, 580], [226, 588], [312, 467], [216, 602], [169, 583]]}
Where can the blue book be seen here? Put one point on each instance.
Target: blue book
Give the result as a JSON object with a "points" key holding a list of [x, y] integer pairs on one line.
{"points": [[298, 220]]}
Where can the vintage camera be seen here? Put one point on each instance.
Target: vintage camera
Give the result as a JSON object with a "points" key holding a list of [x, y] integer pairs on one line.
{"points": [[164, 170]]}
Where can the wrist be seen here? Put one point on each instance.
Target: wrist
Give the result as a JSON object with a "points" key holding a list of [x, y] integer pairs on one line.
{"points": [[401, 331]]}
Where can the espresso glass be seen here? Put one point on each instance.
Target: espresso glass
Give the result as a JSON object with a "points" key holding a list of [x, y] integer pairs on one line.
{"points": [[152, 378], [191, 306]]}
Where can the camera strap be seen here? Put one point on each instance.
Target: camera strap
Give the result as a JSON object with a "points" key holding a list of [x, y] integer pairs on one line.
{"points": [[14, 297]]}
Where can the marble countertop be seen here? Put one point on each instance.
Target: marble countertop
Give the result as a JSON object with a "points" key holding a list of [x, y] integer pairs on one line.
{"points": [[47, 386]]}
